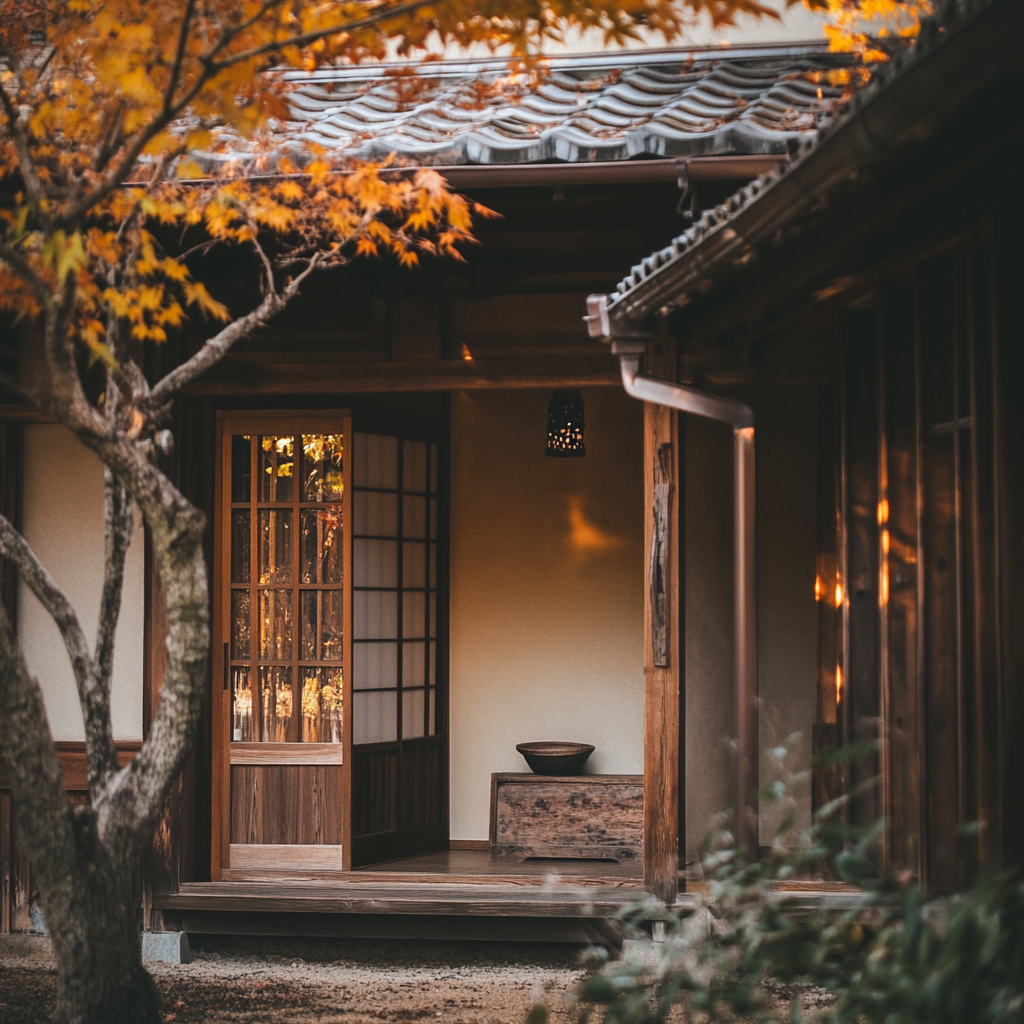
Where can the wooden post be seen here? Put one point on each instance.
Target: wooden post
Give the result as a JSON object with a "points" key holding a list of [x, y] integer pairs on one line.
{"points": [[661, 652]]}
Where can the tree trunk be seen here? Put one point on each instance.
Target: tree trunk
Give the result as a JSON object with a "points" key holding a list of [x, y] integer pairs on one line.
{"points": [[91, 917]]}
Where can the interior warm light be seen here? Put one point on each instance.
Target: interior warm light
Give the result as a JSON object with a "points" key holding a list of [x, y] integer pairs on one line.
{"points": [[467, 356], [839, 683], [819, 588], [885, 542], [883, 511], [586, 536], [839, 594]]}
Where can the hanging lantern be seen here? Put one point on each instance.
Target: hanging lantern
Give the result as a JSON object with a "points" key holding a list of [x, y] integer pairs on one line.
{"points": [[565, 426]]}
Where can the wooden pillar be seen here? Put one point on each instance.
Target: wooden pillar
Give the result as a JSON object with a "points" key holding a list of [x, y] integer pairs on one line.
{"points": [[661, 648]]}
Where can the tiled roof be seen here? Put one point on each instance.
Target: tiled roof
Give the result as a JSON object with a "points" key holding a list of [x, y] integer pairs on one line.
{"points": [[634, 294], [594, 108]]}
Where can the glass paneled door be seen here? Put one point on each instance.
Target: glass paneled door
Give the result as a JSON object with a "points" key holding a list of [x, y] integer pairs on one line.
{"points": [[283, 637]]}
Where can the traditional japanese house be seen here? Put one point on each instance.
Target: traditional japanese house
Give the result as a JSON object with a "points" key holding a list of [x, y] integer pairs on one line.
{"points": [[405, 586]]}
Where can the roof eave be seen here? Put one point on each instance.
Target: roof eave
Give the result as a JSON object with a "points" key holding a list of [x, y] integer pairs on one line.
{"points": [[903, 107]]}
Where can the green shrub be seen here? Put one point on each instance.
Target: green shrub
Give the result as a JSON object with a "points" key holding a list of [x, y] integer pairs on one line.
{"points": [[884, 956]]}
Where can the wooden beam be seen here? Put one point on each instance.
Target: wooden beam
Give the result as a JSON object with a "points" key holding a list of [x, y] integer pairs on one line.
{"points": [[661, 638], [237, 378]]}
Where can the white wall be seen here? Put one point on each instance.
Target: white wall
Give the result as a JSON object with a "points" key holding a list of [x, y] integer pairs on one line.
{"points": [[63, 522], [546, 590]]}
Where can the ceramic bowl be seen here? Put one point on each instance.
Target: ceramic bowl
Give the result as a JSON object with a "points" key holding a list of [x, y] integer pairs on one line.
{"points": [[554, 758]]}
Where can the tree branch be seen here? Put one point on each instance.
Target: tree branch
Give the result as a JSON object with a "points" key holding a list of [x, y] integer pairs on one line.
{"points": [[25, 163], [26, 272], [179, 56], [311, 37], [119, 519], [101, 756], [215, 348]]}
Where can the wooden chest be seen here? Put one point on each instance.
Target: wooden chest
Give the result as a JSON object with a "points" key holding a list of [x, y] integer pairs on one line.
{"points": [[578, 816]]}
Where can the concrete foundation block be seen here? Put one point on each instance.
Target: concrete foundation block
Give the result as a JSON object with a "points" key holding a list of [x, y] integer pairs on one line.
{"points": [[166, 948], [642, 952]]}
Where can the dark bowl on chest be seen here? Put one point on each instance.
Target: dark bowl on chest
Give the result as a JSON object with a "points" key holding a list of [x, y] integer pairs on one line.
{"points": [[555, 758]]}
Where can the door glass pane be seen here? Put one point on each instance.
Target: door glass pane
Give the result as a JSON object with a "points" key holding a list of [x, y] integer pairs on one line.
{"points": [[322, 698], [275, 541], [433, 615], [276, 625], [375, 563], [432, 663], [277, 463], [241, 617], [241, 545], [374, 665], [432, 725], [307, 604], [275, 702], [241, 467], [332, 625], [320, 545], [412, 713], [433, 518], [433, 469], [323, 476], [243, 725], [375, 716]]}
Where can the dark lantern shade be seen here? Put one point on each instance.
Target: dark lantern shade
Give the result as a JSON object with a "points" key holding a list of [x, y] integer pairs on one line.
{"points": [[565, 426]]}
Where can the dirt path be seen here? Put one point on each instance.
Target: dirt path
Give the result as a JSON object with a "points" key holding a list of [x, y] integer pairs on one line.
{"points": [[329, 981]]}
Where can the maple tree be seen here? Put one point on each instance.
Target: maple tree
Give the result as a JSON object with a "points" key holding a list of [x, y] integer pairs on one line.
{"points": [[121, 120]]}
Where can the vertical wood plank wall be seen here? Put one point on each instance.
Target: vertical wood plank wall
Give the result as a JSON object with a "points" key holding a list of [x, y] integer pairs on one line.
{"points": [[931, 453], [662, 673]]}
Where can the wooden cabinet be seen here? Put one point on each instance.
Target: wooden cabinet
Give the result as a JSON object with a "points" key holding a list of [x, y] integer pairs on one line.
{"points": [[578, 816]]}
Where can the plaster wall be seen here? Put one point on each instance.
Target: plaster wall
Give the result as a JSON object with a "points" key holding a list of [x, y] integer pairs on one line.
{"points": [[63, 522], [786, 430], [546, 590]]}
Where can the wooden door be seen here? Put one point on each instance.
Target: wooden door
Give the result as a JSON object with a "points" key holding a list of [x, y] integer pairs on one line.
{"points": [[399, 709], [282, 635]]}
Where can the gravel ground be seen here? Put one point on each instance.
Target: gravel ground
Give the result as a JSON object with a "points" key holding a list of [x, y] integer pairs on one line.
{"points": [[330, 981], [245, 981]]}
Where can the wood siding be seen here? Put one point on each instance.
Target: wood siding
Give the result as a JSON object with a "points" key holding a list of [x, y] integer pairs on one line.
{"points": [[924, 470]]}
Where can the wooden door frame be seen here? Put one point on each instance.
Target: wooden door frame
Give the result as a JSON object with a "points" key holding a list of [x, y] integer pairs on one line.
{"points": [[229, 422]]}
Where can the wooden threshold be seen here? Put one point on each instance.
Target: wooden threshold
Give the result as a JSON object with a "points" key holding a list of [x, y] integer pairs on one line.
{"points": [[273, 877]]}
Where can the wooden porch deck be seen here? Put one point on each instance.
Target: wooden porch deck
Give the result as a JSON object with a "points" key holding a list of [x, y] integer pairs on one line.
{"points": [[453, 894]]}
